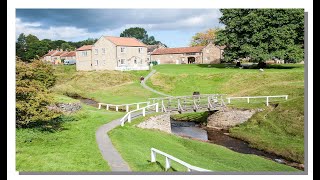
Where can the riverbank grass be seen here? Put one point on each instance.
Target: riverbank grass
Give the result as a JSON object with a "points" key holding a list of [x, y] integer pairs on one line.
{"points": [[134, 145], [69, 146]]}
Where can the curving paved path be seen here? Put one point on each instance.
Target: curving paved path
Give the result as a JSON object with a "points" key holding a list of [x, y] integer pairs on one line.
{"points": [[108, 151], [149, 88]]}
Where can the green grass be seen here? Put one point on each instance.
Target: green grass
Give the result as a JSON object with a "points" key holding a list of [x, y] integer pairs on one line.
{"points": [[64, 99], [134, 145], [278, 130], [71, 147], [267, 130], [103, 86], [199, 117]]}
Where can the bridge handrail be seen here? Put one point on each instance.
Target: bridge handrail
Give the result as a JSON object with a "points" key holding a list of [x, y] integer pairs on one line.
{"points": [[127, 117]]}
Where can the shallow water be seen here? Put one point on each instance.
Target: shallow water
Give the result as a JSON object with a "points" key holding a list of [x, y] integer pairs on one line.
{"points": [[221, 137]]}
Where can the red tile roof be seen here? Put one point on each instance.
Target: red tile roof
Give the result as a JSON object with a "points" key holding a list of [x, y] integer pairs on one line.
{"points": [[84, 48], [51, 52], [125, 41], [178, 50], [58, 53], [64, 54], [69, 54]]}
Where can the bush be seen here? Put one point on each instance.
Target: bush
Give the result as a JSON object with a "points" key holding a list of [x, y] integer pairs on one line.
{"points": [[32, 95]]}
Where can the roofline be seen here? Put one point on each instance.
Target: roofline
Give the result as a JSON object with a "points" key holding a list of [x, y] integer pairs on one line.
{"points": [[177, 53], [125, 45]]}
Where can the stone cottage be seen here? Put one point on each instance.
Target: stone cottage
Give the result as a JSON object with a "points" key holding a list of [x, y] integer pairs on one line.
{"points": [[113, 53], [210, 54]]}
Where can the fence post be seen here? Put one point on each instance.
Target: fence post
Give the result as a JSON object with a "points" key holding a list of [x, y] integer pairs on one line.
{"points": [[157, 107], [117, 108], [129, 117], [127, 108], [153, 156], [168, 165], [122, 123], [138, 106], [144, 112], [189, 170], [248, 100], [228, 100], [99, 106], [286, 97], [267, 101], [107, 107]]}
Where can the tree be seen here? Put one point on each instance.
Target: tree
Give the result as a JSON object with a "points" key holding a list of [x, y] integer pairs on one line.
{"points": [[204, 38], [67, 47], [32, 96], [262, 34], [140, 34], [21, 46]]}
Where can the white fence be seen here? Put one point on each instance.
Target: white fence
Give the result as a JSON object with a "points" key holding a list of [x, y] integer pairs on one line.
{"points": [[169, 158], [127, 106], [253, 97], [128, 116], [130, 68]]}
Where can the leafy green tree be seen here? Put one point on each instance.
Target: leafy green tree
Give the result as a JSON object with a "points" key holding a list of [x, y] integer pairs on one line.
{"points": [[204, 38], [21, 46], [32, 95], [67, 47], [262, 34], [140, 34]]}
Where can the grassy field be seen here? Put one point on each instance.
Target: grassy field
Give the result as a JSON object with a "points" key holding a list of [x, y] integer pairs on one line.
{"points": [[69, 147], [278, 130], [134, 145], [103, 86]]}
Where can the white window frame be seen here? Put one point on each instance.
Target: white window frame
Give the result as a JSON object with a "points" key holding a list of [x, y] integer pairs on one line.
{"points": [[84, 53], [96, 62], [140, 50], [122, 49], [96, 51], [103, 50], [124, 61]]}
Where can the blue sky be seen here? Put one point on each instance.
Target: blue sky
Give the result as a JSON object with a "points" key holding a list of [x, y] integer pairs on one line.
{"points": [[173, 27]]}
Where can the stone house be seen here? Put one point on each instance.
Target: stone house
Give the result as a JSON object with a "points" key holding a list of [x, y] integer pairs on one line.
{"points": [[83, 58], [151, 49], [210, 54], [113, 53], [69, 55], [54, 56]]}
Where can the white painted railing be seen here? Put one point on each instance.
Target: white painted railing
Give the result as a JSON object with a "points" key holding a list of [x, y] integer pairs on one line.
{"points": [[253, 97], [169, 158], [127, 106], [128, 116]]}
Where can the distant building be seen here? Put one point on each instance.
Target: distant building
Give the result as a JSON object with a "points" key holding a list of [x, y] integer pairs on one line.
{"points": [[151, 49], [113, 53], [210, 54]]}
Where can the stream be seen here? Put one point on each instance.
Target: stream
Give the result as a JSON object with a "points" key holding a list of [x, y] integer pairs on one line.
{"points": [[211, 135], [221, 137]]}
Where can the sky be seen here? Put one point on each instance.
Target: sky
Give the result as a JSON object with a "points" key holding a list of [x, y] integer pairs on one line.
{"points": [[173, 27]]}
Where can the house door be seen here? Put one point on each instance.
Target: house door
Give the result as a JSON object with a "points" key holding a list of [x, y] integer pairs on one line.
{"points": [[191, 60]]}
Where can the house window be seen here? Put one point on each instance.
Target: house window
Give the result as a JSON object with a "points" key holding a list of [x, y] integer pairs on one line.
{"points": [[135, 61], [95, 51], [84, 53], [140, 50], [122, 49], [96, 63], [103, 50], [122, 61]]}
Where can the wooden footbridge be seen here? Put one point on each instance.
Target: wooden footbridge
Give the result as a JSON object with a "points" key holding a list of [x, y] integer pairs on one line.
{"points": [[203, 102]]}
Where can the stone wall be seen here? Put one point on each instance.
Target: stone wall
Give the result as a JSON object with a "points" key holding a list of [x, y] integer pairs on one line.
{"points": [[66, 107], [160, 122]]}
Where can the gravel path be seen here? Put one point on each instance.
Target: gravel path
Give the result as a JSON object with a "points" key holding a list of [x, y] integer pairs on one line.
{"points": [[149, 88]]}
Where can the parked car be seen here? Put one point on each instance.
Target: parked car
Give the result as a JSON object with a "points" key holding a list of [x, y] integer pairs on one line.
{"points": [[69, 62]]}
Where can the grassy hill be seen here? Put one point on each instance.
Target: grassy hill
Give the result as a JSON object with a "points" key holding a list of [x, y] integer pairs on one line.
{"points": [[278, 130]]}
